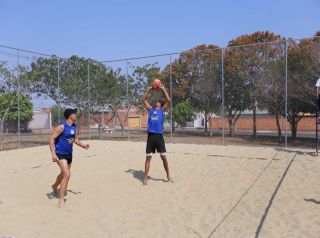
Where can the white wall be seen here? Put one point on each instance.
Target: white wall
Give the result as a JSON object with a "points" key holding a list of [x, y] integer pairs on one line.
{"points": [[40, 120]]}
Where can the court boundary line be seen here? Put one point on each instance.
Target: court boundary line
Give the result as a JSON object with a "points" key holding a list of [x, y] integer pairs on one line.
{"points": [[242, 196]]}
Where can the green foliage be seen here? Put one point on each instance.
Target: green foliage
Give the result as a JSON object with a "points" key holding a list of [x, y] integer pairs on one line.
{"points": [[182, 112], [10, 100], [55, 115], [76, 89], [141, 77]]}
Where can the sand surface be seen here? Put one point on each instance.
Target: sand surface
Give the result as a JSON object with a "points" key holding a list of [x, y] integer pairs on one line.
{"points": [[219, 191]]}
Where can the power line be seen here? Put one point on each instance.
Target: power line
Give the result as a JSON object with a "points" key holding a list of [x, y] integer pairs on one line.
{"points": [[161, 55], [30, 51], [15, 55]]}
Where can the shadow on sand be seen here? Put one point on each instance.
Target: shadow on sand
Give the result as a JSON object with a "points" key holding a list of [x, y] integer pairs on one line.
{"points": [[53, 195], [298, 152], [139, 175], [312, 200]]}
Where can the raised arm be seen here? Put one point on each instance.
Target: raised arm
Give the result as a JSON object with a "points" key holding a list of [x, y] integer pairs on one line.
{"points": [[168, 99], [56, 132], [144, 99]]}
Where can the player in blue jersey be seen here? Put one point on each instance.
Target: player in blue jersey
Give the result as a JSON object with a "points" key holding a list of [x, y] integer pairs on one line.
{"points": [[61, 145], [155, 142]]}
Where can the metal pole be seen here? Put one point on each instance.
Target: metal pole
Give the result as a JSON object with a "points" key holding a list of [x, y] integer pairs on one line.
{"points": [[102, 123], [286, 94], [128, 101], [59, 107], [222, 93], [18, 96], [317, 126], [171, 102], [88, 70]]}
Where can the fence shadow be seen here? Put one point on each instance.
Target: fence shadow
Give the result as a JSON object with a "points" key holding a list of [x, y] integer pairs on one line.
{"points": [[298, 152], [312, 200]]}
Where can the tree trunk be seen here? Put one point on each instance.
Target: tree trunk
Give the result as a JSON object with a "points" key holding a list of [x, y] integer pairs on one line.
{"points": [[1, 136], [210, 126], [254, 120], [278, 126], [122, 137], [205, 123], [100, 129], [173, 127], [230, 126], [294, 125]]}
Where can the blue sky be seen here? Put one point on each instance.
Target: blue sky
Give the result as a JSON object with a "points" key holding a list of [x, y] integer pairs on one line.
{"points": [[112, 29]]}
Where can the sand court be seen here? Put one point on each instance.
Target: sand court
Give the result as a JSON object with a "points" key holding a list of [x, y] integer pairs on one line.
{"points": [[219, 191]]}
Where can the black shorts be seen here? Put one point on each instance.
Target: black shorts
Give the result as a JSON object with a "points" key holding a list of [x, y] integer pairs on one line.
{"points": [[155, 143], [319, 102], [68, 158]]}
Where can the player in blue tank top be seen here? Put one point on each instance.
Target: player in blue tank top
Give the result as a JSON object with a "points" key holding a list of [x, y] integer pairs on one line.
{"points": [[155, 142], [61, 145]]}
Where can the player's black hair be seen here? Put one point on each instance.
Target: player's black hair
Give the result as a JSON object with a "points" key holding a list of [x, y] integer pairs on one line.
{"points": [[154, 101], [68, 112]]}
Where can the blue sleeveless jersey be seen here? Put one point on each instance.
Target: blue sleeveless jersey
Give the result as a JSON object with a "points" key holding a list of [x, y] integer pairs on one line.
{"points": [[155, 121], [64, 142]]}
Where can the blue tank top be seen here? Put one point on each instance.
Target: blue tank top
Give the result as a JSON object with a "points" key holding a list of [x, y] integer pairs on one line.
{"points": [[64, 142], [155, 121]]}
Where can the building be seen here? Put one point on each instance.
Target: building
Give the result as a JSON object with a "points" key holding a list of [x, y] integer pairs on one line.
{"points": [[41, 119]]}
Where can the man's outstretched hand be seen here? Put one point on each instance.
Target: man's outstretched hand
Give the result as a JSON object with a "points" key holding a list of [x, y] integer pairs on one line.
{"points": [[86, 146]]}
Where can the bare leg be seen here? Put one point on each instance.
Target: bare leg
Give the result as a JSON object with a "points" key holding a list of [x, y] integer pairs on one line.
{"points": [[57, 182], [65, 169], [146, 170], [166, 167]]}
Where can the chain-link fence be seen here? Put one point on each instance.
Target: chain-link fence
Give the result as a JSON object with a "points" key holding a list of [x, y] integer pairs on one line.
{"points": [[260, 94]]}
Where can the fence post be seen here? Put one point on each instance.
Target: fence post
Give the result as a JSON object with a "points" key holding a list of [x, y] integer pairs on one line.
{"points": [[222, 93], [18, 98], [59, 107], [286, 93], [88, 70], [171, 102], [128, 100]]}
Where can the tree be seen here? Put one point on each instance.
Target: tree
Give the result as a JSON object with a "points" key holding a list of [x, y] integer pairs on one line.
{"points": [[25, 107], [56, 112], [84, 83], [9, 97], [9, 110], [204, 73], [251, 60], [6, 82], [138, 81], [196, 78], [303, 70], [273, 95], [180, 81], [182, 112], [272, 83], [236, 90], [105, 92]]}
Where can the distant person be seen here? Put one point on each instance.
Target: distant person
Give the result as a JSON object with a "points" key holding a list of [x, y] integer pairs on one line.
{"points": [[155, 142], [61, 146]]}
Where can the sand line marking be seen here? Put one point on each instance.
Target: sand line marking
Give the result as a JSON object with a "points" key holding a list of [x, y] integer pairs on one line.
{"points": [[236, 157], [264, 216], [223, 156], [242, 196]]}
